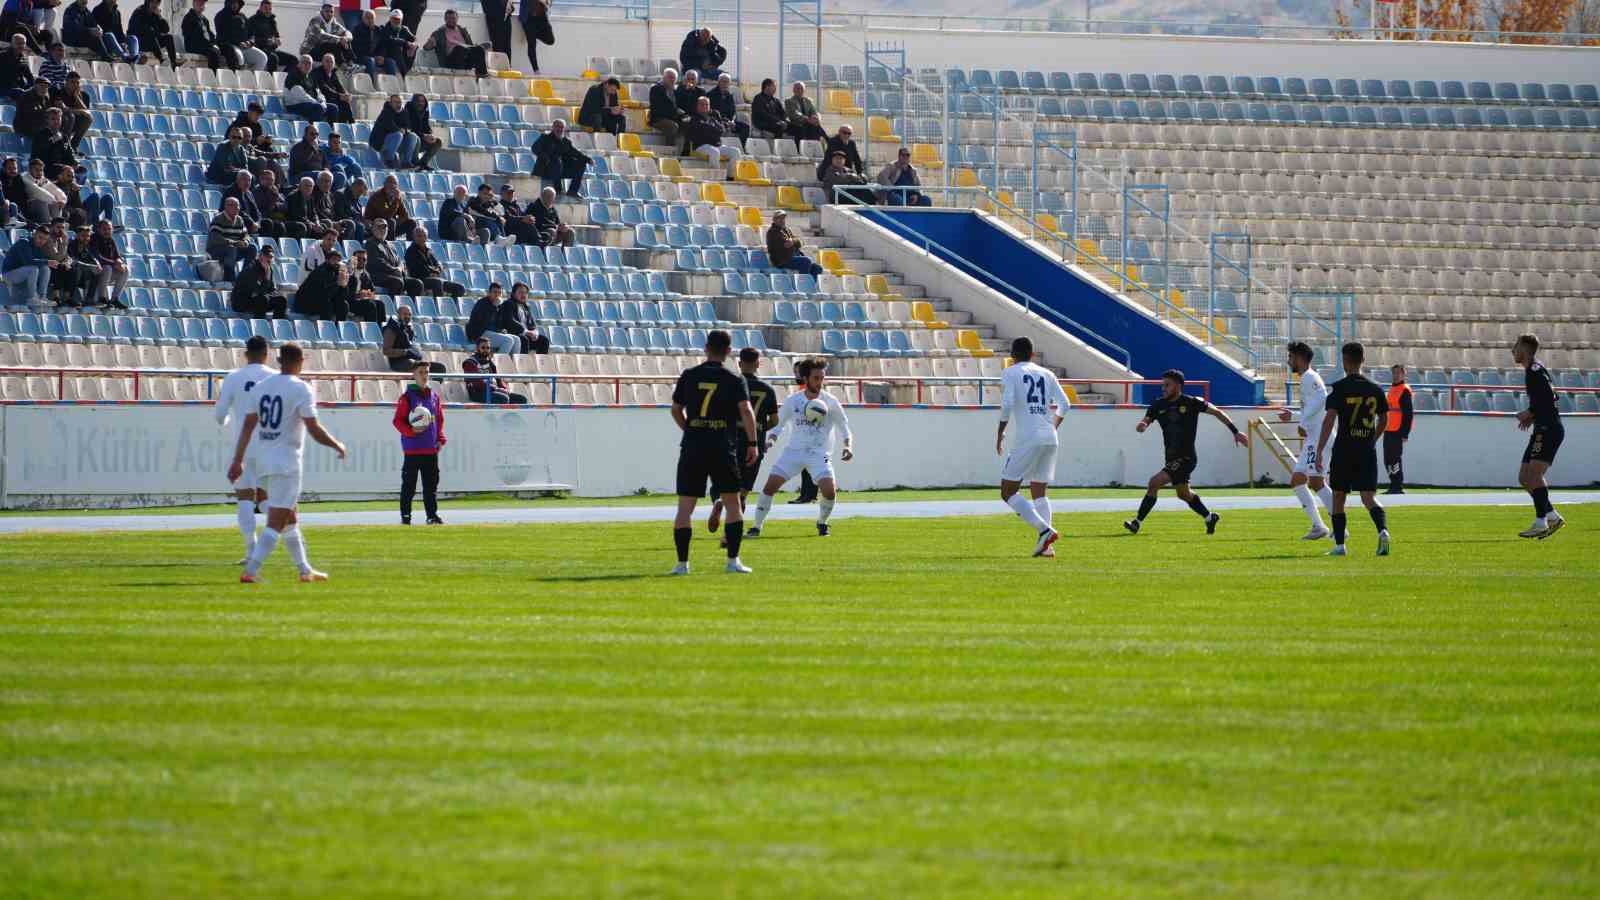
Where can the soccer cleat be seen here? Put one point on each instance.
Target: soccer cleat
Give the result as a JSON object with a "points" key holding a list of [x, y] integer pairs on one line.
{"points": [[680, 569], [1315, 534], [405, 520], [1046, 538], [311, 575], [1538, 529], [752, 533], [244, 560], [1554, 523], [1211, 523], [822, 529], [1338, 550], [715, 522], [800, 499], [735, 567], [1383, 543], [247, 578], [1132, 525], [1049, 553], [435, 520], [1393, 491]]}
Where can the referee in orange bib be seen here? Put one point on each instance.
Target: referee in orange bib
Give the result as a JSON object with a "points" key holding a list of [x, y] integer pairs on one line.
{"points": [[1398, 429]]}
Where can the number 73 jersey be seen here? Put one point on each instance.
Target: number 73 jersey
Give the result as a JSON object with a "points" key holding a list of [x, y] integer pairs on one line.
{"points": [[1361, 408], [1027, 395]]}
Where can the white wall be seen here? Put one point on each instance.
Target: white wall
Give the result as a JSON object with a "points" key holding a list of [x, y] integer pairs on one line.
{"points": [[110, 455]]}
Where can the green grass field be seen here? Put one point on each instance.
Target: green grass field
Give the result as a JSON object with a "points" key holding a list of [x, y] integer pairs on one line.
{"points": [[911, 708]]}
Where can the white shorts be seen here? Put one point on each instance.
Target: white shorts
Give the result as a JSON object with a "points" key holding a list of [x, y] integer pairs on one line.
{"points": [[1308, 464], [793, 460], [283, 490], [248, 480], [1035, 463]]}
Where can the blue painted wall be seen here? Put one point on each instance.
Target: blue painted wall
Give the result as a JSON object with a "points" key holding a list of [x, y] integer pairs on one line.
{"points": [[1153, 348]]}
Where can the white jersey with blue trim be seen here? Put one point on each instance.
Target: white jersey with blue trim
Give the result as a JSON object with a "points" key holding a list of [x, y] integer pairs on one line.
{"points": [[1030, 399]]}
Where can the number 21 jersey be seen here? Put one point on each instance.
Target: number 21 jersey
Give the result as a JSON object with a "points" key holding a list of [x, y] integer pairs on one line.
{"points": [[283, 404], [1027, 393]]}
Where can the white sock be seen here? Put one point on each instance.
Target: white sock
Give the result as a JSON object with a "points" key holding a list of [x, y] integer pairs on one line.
{"points": [[1027, 512], [266, 542], [762, 508], [1325, 496], [1308, 502], [247, 524], [824, 510], [295, 543], [1042, 507]]}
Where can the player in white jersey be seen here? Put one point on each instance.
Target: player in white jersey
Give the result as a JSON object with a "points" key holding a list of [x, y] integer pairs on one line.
{"points": [[235, 401], [809, 447], [1031, 397], [285, 412], [1308, 467]]}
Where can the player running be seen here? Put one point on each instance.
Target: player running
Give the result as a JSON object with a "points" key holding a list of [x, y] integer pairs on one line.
{"points": [[1544, 418], [1032, 397], [1308, 468], [764, 402], [1360, 410], [1179, 417], [815, 414], [235, 401], [285, 411], [711, 405]]}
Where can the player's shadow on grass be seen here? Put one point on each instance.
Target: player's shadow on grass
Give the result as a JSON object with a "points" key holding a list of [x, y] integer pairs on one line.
{"points": [[581, 579], [162, 584]]}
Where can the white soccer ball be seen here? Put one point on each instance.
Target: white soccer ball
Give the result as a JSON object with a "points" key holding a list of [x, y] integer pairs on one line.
{"points": [[420, 418], [816, 411]]}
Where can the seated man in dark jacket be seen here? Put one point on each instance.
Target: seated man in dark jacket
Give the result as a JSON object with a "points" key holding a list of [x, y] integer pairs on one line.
{"points": [[490, 388], [198, 37], [547, 221], [332, 88], [365, 305], [264, 31], [602, 108], [688, 94], [16, 78], [843, 142], [516, 318], [366, 48], [52, 146], [766, 110], [327, 290], [31, 108], [520, 222], [484, 321], [274, 208], [254, 294], [234, 38], [703, 52], [400, 343], [453, 47], [383, 264], [664, 114], [726, 105], [422, 265], [398, 42], [229, 159], [555, 159]]}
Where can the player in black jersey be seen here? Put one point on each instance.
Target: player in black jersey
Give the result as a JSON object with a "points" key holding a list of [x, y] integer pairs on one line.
{"points": [[764, 402], [1361, 410], [712, 405], [1178, 414], [1544, 419]]}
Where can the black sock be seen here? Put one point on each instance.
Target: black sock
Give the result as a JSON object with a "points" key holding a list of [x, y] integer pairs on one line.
{"points": [[1380, 517], [1541, 501], [1145, 505], [1338, 528], [681, 537], [734, 532], [1199, 506]]}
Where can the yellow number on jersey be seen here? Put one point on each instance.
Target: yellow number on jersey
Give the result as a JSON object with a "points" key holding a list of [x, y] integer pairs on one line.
{"points": [[710, 389]]}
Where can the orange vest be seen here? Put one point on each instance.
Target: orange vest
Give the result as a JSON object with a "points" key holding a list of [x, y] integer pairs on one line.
{"points": [[1396, 391]]}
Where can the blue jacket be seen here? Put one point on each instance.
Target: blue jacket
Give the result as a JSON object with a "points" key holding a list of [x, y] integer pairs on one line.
{"points": [[341, 163], [23, 253]]}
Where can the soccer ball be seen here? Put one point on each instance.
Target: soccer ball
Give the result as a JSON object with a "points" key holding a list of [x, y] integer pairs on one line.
{"points": [[816, 411], [420, 418]]}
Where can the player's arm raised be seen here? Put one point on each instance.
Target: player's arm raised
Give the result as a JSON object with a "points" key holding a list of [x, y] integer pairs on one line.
{"points": [[842, 422], [321, 436], [1223, 418], [246, 432], [747, 419]]}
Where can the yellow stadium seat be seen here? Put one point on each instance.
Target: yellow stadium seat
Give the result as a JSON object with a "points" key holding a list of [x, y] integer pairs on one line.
{"points": [[1089, 247], [750, 215], [1006, 199], [829, 259], [843, 103], [789, 197], [627, 100], [880, 286], [1069, 390], [1176, 296], [966, 178], [926, 156], [628, 143], [712, 192], [540, 90], [970, 342], [1048, 223], [748, 171], [671, 169], [589, 75], [510, 73], [881, 129], [922, 311]]}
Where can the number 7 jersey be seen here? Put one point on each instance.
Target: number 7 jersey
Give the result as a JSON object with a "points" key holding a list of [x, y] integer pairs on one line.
{"points": [[283, 403], [1027, 393]]}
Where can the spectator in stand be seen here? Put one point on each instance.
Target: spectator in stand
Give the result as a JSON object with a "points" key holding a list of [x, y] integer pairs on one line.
{"points": [[455, 223], [602, 108], [400, 343], [259, 223], [113, 278], [264, 33], [152, 31], [490, 388], [392, 136], [332, 89], [726, 106], [483, 322], [366, 306], [254, 293], [901, 173], [31, 109], [349, 205], [843, 142], [84, 267], [702, 52], [301, 97], [83, 208], [398, 42], [75, 103], [520, 222], [316, 252], [490, 216], [766, 111], [16, 76], [688, 94], [350, 13], [301, 209], [535, 17], [16, 194], [547, 221], [79, 29], [663, 114], [64, 275], [327, 291], [306, 157], [45, 200], [388, 205], [516, 318], [55, 67], [497, 21], [840, 175], [26, 269], [364, 46], [234, 38], [784, 249], [555, 160], [420, 448], [200, 38], [20, 17], [275, 207], [452, 46], [420, 120], [108, 18], [422, 265], [263, 159], [703, 136], [341, 164], [322, 199], [228, 241], [52, 146], [804, 122], [250, 118], [383, 263], [326, 34]]}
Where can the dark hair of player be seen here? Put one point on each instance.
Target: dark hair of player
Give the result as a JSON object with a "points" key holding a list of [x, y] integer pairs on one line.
{"points": [[1022, 349], [1302, 350], [808, 365], [290, 353], [749, 355], [1529, 341], [257, 346], [1173, 375], [1353, 352], [718, 343]]}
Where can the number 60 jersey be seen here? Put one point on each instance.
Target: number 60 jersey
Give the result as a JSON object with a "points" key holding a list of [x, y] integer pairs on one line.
{"points": [[283, 403], [1027, 393]]}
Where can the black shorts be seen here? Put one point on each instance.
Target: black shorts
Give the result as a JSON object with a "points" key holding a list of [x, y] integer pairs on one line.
{"points": [[697, 466], [1544, 442], [1353, 468], [1179, 468], [747, 475]]}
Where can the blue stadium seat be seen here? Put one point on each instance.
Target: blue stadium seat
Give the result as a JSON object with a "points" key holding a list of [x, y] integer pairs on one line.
{"points": [[1167, 86], [1061, 83]]}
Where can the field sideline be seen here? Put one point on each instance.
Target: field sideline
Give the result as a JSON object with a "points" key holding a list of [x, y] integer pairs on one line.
{"points": [[908, 708]]}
